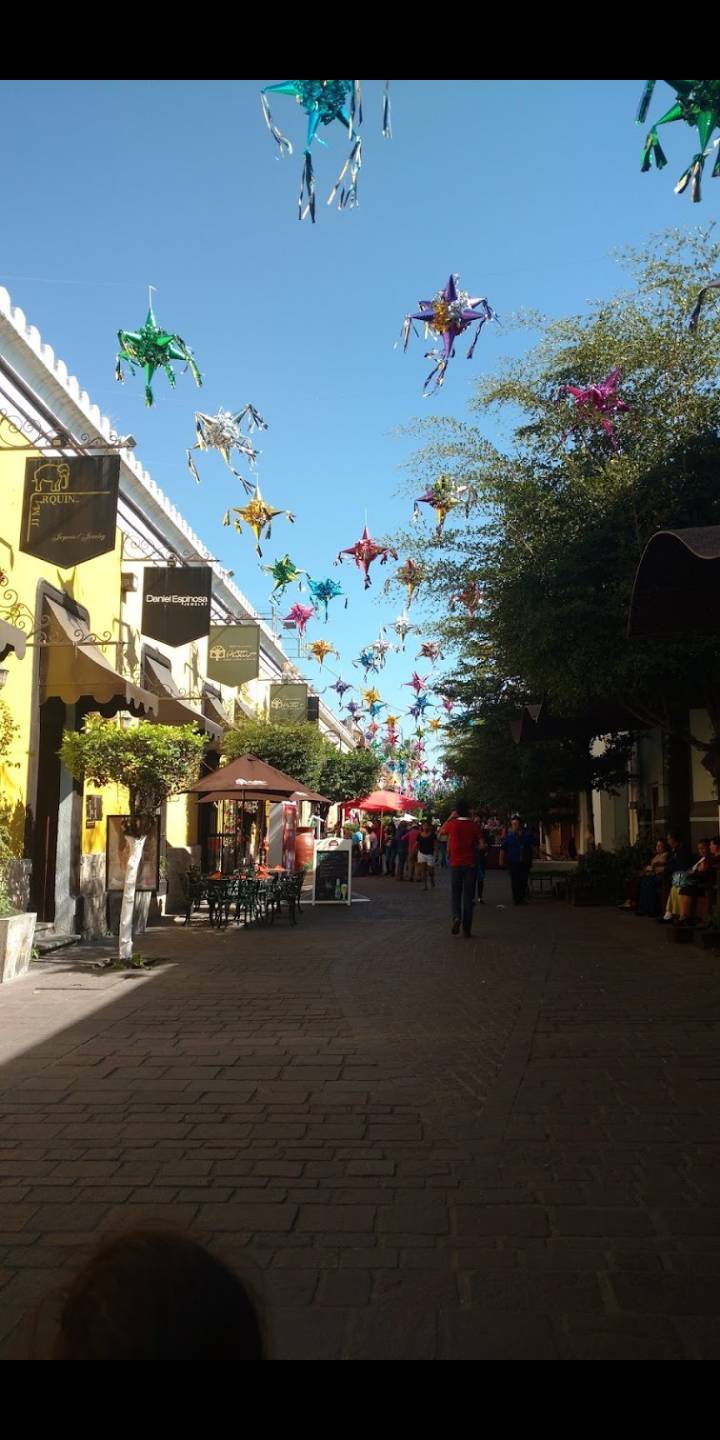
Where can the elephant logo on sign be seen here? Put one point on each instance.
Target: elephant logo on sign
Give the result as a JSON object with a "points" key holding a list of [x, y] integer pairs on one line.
{"points": [[51, 477]]}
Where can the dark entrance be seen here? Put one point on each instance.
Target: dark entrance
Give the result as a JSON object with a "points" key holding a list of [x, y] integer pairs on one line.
{"points": [[52, 722]]}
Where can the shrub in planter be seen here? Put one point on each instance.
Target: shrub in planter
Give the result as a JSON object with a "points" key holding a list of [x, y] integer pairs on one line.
{"points": [[602, 877], [17, 929]]}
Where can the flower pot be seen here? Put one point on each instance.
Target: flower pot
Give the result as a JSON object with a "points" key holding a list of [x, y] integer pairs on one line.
{"points": [[16, 942]]}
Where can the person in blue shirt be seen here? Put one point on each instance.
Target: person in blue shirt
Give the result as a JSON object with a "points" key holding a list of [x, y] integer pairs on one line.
{"points": [[516, 856]]}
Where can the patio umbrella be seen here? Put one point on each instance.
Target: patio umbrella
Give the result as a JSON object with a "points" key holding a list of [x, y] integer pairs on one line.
{"points": [[380, 802], [246, 777]]}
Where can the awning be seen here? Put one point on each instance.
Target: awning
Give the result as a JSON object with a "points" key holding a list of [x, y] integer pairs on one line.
{"points": [[214, 710], [173, 709], [676, 584], [11, 639], [70, 671]]}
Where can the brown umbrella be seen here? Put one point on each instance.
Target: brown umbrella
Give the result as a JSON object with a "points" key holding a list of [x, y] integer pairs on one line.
{"points": [[245, 776], [312, 796]]}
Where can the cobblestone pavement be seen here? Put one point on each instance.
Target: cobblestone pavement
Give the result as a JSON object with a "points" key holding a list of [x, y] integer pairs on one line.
{"points": [[418, 1146]]}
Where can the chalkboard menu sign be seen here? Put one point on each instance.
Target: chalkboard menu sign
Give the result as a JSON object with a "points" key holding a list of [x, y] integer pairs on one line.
{"points": [[332, 872]]}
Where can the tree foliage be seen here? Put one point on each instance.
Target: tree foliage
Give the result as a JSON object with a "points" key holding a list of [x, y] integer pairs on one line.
{"points": [[152, 761], [301, 752], [563, 518], [9, 731]]}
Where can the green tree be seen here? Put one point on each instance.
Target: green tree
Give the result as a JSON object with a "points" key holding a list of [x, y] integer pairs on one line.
{"points": [[350, 776], [153, 762], [563, 517], [297, 750]]}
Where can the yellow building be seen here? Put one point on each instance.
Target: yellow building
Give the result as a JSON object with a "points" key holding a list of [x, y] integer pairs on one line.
{"points": [[81, 625]]}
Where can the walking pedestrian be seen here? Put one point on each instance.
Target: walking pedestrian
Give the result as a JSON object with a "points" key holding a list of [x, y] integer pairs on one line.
{"points": [[480, 859], [463, 835], [413, 836], [402, 851], [425, 860], [516, 854]]}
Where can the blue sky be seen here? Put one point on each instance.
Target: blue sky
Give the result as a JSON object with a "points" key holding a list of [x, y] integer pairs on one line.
{"points": [[523, 187]]}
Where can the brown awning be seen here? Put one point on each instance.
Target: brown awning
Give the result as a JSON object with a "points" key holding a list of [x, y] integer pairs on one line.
{"points": [[69, 671], [173, 709], [676, 584], [11, 639], [213, 709]]}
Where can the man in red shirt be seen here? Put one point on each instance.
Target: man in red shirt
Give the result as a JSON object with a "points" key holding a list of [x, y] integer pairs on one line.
{"points": [[464, 837]]}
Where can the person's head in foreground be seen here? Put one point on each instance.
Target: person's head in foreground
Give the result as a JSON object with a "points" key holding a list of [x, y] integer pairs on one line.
{"points": [[149, 1295], [462, 809], [516, 824]]}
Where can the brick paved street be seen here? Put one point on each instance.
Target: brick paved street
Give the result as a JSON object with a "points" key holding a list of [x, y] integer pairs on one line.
{"points": [[504, 1149]]}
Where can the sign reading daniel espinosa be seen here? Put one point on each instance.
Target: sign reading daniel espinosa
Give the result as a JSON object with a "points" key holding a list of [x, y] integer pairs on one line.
{"points": [[70, 508], [176, 603]]}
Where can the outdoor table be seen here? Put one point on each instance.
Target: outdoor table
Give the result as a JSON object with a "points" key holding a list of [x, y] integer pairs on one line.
{"points": [[550, 874]]}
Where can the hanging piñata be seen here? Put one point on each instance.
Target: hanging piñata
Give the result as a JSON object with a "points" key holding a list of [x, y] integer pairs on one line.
{"points": [[403, 628], [257, 514], [448, 315], [320, 649], [597, 403], [299, 615], [222, 432], [429, 650], [284, 573], [364, 552], [323, 591], [411, 575], [698, 104], [151, 349], [325, 101], [445, 495]]}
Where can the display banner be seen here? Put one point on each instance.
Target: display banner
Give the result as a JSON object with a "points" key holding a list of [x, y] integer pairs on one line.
{"points": [[288, 704], [69, 509], [176, 603], [332, 872], [234, 654], [313, 709]]}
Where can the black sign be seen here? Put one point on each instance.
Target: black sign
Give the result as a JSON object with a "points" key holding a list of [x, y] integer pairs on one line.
{"points": [[234, 653], [70, 508], [332, 876], [288, 704], [313, 709], [176, 603]]}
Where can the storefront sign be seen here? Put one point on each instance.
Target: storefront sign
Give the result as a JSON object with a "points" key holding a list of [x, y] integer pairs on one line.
{"points": [[234, 653], [70, 508], [332, 874], [288, 704], [313, 709], [176, 603]]}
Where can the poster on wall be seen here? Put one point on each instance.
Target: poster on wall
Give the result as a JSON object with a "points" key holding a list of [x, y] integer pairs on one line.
{"points": [[234, 654], [69, 512], [289, 828], [332, 872], [288, 704], [118, 851], [176, 603]]}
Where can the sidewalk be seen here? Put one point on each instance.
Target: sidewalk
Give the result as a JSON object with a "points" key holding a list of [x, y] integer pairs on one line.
{"points": [[500, 1149]]}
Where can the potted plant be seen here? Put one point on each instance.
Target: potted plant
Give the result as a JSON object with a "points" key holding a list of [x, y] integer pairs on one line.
{"points": [[17, 927], [602, 876]]}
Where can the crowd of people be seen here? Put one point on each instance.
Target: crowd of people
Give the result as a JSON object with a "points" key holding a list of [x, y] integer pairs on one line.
{"points": [[412, 850], [673, 888]]}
